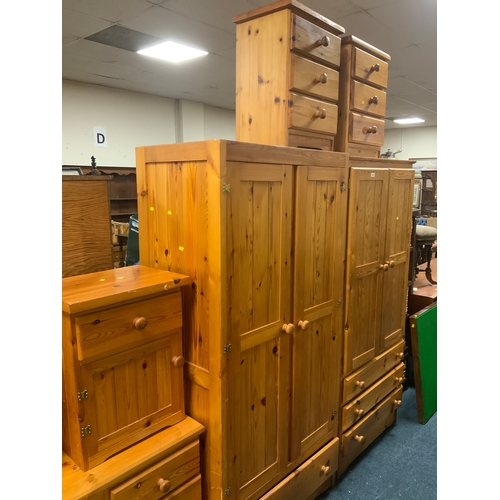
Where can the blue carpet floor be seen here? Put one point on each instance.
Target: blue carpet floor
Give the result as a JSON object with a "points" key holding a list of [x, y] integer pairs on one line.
{"points": [[400, 464]]}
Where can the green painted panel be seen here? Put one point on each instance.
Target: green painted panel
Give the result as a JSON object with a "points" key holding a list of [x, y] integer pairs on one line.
{"points": [[424, 348]]}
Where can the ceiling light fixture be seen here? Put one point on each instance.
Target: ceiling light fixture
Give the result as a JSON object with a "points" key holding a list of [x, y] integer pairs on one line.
{"points": [[173, 52], [406, 121]]}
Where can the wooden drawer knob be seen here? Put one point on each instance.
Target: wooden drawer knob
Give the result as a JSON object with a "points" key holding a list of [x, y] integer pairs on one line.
{"points": [[178, 361], [325, 469], [397, 402], [359, 412], [384, 267], [400, 355], [370, 130], [320, 113], [321, 78], [304, 325], [359, 439], [399, 380], [373, 100], [360, 384], [164, 485], [391, 263], [325, 41], [375, 67], [140, 323], [290, 328]]}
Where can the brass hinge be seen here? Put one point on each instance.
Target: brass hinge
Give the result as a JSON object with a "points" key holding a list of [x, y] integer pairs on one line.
{"points": [[83, 395], [226, 188], [227, 349], [227, 492], [85, 431], [343, 187]]}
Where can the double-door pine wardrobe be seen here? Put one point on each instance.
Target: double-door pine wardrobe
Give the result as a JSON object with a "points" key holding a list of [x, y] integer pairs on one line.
{"points": [[299, 268]]}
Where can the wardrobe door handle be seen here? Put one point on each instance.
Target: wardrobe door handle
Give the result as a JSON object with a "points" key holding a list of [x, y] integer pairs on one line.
{"points": [[288, 328], [178, 361], [305, 325]]}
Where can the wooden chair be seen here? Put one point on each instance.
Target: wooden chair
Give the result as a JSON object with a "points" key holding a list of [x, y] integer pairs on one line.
{"points": [[426, 245]]}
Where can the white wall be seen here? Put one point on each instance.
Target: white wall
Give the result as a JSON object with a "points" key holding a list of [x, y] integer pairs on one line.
{"points": [[132, 119], [418, 142]]}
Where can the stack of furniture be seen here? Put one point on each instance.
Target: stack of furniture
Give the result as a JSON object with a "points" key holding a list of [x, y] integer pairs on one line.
{"points": [[124, 422]]}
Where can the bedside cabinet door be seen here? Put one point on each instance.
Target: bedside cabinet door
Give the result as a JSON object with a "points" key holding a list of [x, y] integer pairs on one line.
{"points": [[131, 395]]}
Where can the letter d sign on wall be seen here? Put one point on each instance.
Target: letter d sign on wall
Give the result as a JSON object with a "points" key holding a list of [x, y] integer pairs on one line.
{"points": [[100, 137]]}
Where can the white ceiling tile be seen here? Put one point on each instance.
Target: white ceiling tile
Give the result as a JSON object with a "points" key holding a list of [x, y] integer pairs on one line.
{"points": [[81, 25], [112, 11]]}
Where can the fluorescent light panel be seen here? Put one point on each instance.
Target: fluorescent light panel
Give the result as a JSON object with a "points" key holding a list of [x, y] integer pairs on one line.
{"points": [[406, 121], [173, 52]]}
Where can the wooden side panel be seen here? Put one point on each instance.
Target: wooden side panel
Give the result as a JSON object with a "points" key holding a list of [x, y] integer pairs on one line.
{"points": [[259, 223], [397, 251], [261, 82], [365, 259], [318, 288]]}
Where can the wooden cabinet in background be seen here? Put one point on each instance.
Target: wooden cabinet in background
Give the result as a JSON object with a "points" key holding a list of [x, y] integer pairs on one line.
{"points": [[122, 359], [86, 225], [261, 229], [287, 76]]}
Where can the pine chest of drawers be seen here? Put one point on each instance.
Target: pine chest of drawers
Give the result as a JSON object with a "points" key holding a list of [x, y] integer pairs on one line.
{"points": [[287, 76], [121, 359], [362, 98]]}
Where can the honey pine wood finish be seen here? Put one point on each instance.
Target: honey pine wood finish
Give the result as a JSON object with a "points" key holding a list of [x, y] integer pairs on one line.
{"points": [[261, 229], [378, 254], [122, 359], [362, 98], [287, 78], [86, 225], [165, 465]]}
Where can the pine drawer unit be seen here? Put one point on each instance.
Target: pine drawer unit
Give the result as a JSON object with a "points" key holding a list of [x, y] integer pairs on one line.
{"points": [[122, 359], [163, 466], [287, 76], [261, 229], [362, 98]]}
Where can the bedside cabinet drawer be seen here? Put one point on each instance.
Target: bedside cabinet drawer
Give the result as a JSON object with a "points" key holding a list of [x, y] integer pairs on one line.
{"points": [[161, 479], [117, 329], [361, 405], [313, 115], [315, 42], [314, 79], [366, 130], [367, 99], [369, 68]]}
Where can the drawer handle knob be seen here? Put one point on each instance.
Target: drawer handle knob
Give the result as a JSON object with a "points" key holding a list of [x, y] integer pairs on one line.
{"points": [[290, 328], [140, 323], [399, 380], [370, 130], [164, 485], [178, 361], [373, 100], [375, 67], [321, 78], [359, 412], [397, 402], [304, 325], [325, 469], [325, 41], [320, 113], [384, 267], [391, 263], [360, 384], [359, 439], [400, 355]]}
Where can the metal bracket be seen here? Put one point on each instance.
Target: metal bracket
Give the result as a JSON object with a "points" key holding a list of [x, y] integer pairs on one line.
{"points": [[85, 431], [83, 395], [226, 188], [227, 349], [227, 492], [343, 187]]}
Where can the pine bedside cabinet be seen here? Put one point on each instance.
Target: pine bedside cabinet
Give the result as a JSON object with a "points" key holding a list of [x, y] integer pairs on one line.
{"points": [[121, 358]]}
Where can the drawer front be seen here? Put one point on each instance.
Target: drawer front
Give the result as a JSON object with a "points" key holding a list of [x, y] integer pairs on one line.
{"points": [[314, 79], [369, 69], [162, 478], [306, 113], [360, 406], [310, 142], [315, 42], [307, 478], [360, 436], [366, 130], [360, 380], [363, 150], [120, 328], [367, 99]]}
